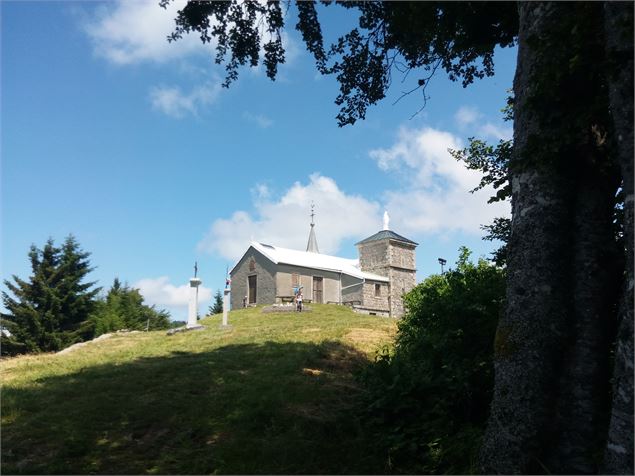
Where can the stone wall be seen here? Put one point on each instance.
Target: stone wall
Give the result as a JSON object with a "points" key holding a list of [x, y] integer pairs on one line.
{"points": [[402, 255], [372, 302], [265, 272], [395, 260], [401, 281], [374, 257], [330, 282], [403, 275], [351, 289]]}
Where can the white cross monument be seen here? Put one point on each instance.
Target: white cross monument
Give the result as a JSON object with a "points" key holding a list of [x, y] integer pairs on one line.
{"points": [[228, 286], [193, 304]]}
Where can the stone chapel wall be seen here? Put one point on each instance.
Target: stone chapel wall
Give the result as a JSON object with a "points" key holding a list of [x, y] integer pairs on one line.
{"points": [[253, 264]]}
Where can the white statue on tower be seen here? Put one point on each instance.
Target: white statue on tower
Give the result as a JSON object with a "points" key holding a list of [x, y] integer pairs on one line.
{"points": [[386, 220]]}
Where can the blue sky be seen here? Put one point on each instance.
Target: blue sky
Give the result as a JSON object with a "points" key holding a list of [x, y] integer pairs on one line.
{"points": [[130, 143]]}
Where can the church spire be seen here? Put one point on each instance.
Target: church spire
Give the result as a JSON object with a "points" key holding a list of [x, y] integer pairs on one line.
{"points": [[312, 245]]}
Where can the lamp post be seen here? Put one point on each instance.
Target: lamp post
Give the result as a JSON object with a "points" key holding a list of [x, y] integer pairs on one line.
{"points": [[442, 262]]}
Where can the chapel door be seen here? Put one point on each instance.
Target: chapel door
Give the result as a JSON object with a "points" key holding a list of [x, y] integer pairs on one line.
{"points": [[252, 289], [317, 289]]}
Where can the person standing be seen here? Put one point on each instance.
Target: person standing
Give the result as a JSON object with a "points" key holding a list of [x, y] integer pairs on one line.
{"points": [[298, 300]]}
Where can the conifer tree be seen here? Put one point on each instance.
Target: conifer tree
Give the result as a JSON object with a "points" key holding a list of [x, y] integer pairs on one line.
{"points": [[44, 312], [217, 307], [123, 308], [77, 299]]}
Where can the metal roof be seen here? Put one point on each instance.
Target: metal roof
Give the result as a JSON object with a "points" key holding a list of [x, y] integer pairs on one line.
{"points": [[308, 259], [387, 234]]}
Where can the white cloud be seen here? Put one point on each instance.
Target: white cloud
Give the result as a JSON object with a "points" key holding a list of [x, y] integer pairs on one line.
{"points": [[260, 120], [128, 32], [165, 295], [466, 115], [136, 31], [435, 197], [261, 191], [172, 101], [285, 221], [496, 132], [469, 118], [422, 154]]}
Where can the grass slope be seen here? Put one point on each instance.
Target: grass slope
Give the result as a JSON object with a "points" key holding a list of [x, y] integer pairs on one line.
{"points": [[273, 394]]}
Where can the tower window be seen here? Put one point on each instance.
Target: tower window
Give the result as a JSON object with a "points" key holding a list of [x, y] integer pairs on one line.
{"points": [[377, 290]]}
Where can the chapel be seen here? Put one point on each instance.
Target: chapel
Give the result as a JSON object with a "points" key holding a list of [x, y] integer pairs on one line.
{"points": [[373, 284]]}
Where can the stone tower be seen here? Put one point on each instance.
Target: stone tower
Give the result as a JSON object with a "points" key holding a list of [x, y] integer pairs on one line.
{"points": [[388, 254]]}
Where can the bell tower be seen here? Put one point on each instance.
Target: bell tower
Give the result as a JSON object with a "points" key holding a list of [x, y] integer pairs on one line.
{"points": [[389, 254]]}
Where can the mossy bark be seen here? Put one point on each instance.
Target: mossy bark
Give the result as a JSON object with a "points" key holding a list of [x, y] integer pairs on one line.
{"points": [[550, 403], [537, 290]]}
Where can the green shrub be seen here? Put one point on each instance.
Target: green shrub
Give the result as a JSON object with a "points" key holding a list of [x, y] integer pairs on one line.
{"points": [[429, 397]]}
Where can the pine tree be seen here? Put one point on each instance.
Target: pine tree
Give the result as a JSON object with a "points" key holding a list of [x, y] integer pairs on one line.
{"points": [[45, 312], [123, 308], [77, 299], [217, 307]]}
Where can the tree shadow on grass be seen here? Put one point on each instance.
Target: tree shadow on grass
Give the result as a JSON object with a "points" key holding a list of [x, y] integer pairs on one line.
{"points": [[272, 408]]}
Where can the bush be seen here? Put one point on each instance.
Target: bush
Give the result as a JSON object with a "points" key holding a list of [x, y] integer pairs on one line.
{"points": [[429, 398]]}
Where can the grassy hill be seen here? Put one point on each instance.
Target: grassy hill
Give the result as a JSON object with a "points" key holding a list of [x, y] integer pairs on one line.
{"points": [[274, 394]]}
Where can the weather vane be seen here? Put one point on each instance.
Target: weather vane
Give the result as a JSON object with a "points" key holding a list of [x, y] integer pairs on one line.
{"points": [[195, 268], [312, 212]]}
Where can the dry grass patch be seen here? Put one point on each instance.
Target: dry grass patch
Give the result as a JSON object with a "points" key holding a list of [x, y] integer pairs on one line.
{"points": [[370, 338]]}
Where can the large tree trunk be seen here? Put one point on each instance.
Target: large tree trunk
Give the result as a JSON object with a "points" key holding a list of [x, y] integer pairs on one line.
{"points": [[619, 41], [529, 336], [583, 398], [583, 401], [551, 351]]}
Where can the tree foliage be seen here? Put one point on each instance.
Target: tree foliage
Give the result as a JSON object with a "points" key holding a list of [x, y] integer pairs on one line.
{"points": [[123, 308], [217, 307], [45, 312], [430, 397], [493, 163], [459, 38]]}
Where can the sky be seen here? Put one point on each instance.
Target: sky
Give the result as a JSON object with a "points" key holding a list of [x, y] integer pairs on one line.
{"points": [[130, 143]]}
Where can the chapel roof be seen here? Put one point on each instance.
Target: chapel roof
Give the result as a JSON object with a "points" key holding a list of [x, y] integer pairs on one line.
{"points": [[387, 234], [319, 261]]}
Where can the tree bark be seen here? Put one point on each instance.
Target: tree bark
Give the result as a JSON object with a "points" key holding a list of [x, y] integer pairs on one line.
{"points": [[530, 334], [583, 398], [583, 401], [618, 458]]}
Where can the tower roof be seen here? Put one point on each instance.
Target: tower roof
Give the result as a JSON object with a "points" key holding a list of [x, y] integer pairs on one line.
{"points": [[312, 244], [387, 234]]}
